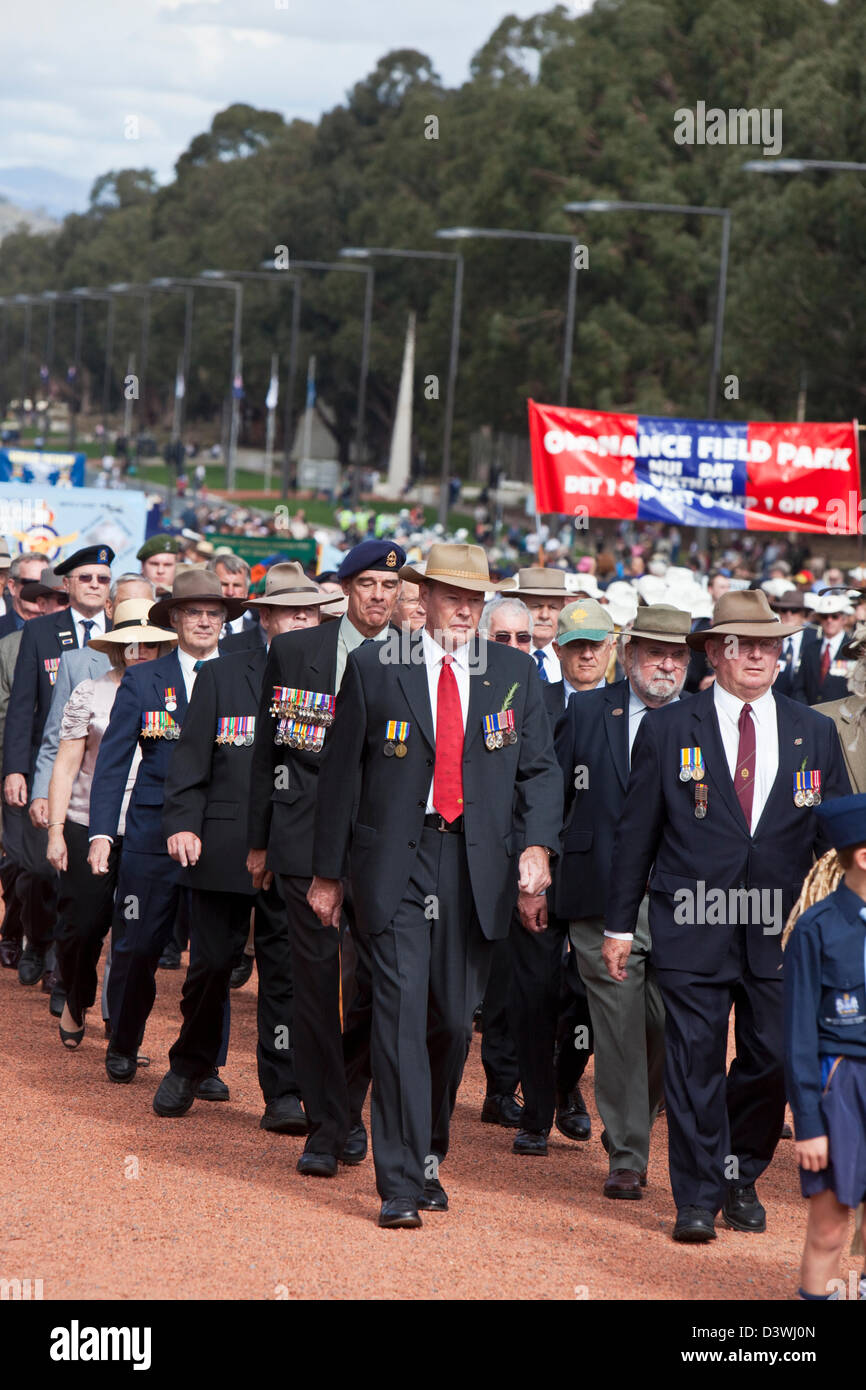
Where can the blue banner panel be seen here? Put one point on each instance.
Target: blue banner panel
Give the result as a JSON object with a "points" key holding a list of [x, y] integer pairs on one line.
{"points": [[692, 472], [39, 466]]}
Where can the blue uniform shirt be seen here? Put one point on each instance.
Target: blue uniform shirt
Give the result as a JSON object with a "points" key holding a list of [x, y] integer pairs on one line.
{"points": [[825, 999]]}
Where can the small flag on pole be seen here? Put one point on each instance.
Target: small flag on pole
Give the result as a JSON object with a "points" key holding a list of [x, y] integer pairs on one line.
{"points": [[273, 394], [179, 386], [238, 387]]}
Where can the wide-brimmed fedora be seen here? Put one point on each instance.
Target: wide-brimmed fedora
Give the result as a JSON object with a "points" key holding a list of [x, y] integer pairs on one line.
{"points": [[660, 622], [539, 582], [286, 586], [195, 586], [462, 566], [743, 613], [791, 601], [132, 623]]}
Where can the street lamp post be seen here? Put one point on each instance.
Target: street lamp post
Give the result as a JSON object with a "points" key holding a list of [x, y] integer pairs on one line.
{"points": [[600, 205], [85, 292], [365, 252]]}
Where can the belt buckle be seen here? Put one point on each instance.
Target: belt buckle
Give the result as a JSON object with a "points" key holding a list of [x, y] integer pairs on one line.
{"points": [[442, 827]]}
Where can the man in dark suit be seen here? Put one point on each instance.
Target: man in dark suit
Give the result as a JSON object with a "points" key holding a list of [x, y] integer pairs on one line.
{"points": [[149, 708], [87, 575], [699, 674], [25, 568], [594, 740], [718, 819], [449, 734], [791, 608], [304, 671], [205, 823], [827, 661]]}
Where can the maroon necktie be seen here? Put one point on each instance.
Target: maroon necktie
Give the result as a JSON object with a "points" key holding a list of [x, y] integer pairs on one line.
{"points": [[825, 662], [744, 778], [448, 770]]}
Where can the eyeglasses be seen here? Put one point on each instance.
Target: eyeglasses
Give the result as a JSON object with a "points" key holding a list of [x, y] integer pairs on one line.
{"points": [[656, 658], [206, 613], [524, 637], [91, 578]]}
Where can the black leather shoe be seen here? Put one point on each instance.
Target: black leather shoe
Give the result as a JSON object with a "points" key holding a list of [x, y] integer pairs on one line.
{"points": [[212, 1087], [170, 958], [119, 1067], [435, 1198], [572, 1119], [10, 954], [742, 1211], [530, 1142], [399, 1212], [31, 966], [175, 1095], [317, 1165], [502, 1110], [355, 1147], [694, 1226], [285, 1115], [605, 1144], [241, 972]]}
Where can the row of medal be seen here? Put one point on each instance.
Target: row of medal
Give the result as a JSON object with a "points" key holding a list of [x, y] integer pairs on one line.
{"points": [[499, 730], [295, 734], [306, 706], [236, 729], [396, 733], [691, 765], [155, 723], [807, 789], [51, 664]]}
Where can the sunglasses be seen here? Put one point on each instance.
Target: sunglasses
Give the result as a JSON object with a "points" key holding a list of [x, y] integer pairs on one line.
{"points": [[89, 578], [507, 636]]}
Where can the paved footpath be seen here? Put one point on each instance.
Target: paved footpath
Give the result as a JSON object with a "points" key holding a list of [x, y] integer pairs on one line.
{"points": [[104, 1200]]}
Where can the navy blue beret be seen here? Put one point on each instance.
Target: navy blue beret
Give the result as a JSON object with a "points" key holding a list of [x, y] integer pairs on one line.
{"points": [[89, 555], [372, 555], [844, 820]]}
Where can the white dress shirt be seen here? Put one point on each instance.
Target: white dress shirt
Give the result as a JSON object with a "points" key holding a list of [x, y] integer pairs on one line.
{"points": [[433, 655], [569, 690], [552, 668], [766, 741], [98, 620], [833, 643], [187, 662]]}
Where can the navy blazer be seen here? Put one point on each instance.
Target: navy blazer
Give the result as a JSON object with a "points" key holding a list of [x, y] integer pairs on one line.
{"points": [[808, 687], [786, 680], [142, 690], [660, 840], [43, 640]]}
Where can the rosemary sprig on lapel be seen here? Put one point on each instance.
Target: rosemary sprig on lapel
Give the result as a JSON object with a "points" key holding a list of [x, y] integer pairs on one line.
{"points": [[803, 764], [512, 691]]}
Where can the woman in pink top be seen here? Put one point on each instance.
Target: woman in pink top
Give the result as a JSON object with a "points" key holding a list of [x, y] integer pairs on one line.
{"points": [[86, 901]]}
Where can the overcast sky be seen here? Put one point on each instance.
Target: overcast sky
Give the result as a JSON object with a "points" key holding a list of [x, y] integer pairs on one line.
{"points": [[73, 73]]}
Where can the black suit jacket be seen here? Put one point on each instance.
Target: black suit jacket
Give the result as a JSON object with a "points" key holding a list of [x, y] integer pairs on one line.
{"points": [[512, 795], [659, 835], [786, 681], [8, 623], [250, 639], [282, 807], [808, 687], [42, 640], [698, 664], [207, 783], [592, 751]]}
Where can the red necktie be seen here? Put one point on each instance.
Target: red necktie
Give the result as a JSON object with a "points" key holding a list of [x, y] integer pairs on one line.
{"points": [[744, 778], [825, 662], [448, 770]]}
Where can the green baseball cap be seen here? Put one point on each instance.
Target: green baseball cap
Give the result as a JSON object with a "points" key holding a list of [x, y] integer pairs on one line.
{"points": [[585, 621]]}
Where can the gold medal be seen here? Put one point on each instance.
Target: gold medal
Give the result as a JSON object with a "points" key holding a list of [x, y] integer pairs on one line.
{"points": [[401, 750]]}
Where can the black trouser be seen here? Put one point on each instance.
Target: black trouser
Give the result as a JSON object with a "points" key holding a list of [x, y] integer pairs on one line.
{"points": [[275, 1053], [332, 1072], [144, 913], [86, 904], [35, 881], [721, 1129], [498, 1051], [428, 978], [11, 929], [218, 924], [540, 1016]]}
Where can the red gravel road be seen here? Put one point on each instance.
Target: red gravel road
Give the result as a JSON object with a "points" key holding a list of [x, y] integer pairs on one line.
{"points": [[104, 1200]]}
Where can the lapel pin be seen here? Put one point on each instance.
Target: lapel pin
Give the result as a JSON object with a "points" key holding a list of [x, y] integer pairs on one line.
{"points": [[616, 711], [797, 742]]}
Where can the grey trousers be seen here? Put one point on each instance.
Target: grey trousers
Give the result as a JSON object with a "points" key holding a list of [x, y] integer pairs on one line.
{"points": [[628, 1023]]}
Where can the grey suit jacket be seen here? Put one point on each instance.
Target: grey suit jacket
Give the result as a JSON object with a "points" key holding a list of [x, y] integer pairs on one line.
{"points": [[849, 716], [8, 656], [78, 665]]}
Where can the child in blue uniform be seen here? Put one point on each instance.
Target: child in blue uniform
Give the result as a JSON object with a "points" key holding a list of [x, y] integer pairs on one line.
{"points": [[825, 1052]]}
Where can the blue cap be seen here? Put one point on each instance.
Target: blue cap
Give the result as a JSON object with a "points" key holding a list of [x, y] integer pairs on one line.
{"points": [[844, 820], [372, 555], [88, 555]]}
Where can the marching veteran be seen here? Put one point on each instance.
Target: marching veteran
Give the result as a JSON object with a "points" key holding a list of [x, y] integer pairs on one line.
{"points": [[719, 820], [459, 806]]}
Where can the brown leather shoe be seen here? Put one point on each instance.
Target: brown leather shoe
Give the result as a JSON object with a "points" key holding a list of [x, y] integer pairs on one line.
{"points": [[623, 1183]]}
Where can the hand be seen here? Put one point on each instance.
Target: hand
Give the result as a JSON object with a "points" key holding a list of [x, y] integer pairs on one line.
{"points": [[533, 911], [533, 870], [15, 789], [98, 856], [39, 812], [615, 954], [325, 897], [813, 1154], [56, 853], [261, 877], [185, 848]]}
